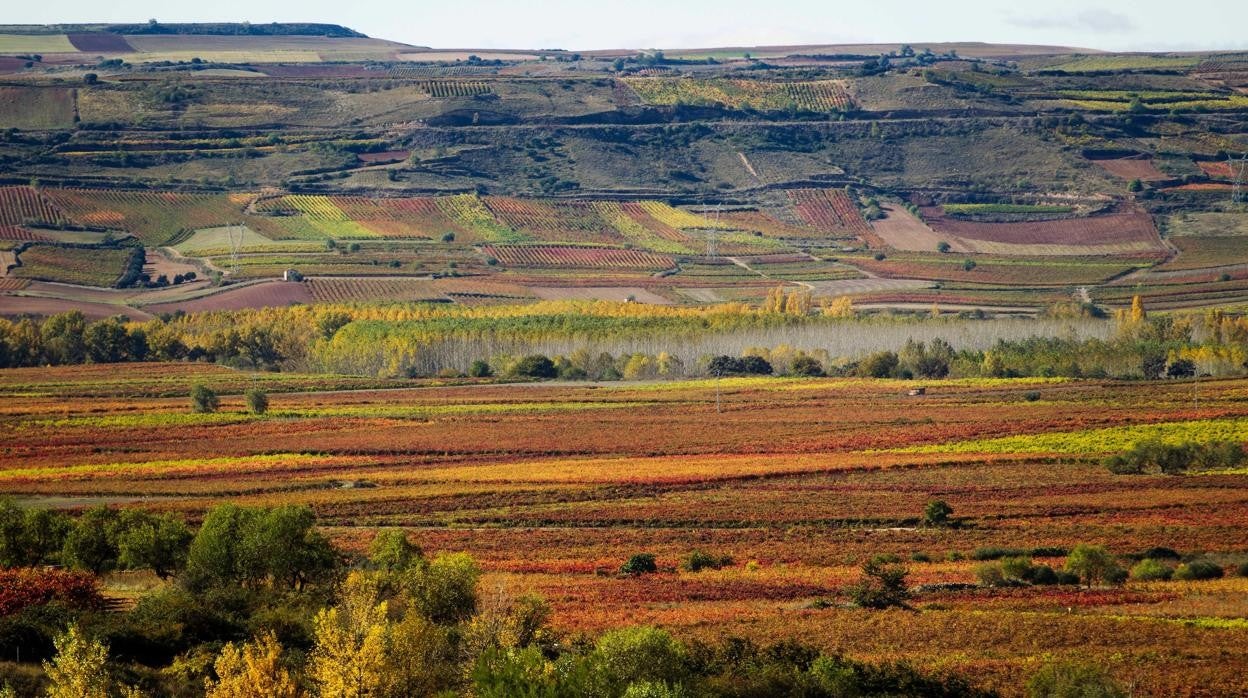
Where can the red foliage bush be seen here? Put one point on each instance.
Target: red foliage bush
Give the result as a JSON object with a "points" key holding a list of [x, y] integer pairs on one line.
{"points": [[23, 588]]}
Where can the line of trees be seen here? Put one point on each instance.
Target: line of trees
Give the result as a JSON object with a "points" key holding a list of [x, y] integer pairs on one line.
{"points": [[603, 341]]}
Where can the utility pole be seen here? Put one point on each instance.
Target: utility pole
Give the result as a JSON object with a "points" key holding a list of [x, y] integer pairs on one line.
{"points": [[1237, 188]]}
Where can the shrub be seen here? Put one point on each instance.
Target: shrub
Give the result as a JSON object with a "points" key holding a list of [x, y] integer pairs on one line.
{"points": [[937, 513], [1031, 395], [480, 369], [1242, 570], [1161, 553], [636, 654], [1198, 570], [806, 366], [943, 246], [1073, 680], [1173, 459], [989, 574], [881, 364], [257, 401], [1049, 551], [534, 366], [203, 400], [1017, 567], [992, 552], [698, 560], [1093, 564], [756, 365], [882, 586], [640, 563], [1148, 570], [1044, 575], [920, 557]]}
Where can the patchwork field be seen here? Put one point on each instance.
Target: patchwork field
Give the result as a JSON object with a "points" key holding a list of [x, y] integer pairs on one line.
{"points": [[798, 480]]}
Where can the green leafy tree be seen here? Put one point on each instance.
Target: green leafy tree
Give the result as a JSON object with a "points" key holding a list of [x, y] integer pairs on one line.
{"points": [[937, 513], [147, 541], [203, 399], [392, 551], [257, 401], [1093, 563], [62, 335], [630, 655], [91, 543], [883, 585], [444, 589]]}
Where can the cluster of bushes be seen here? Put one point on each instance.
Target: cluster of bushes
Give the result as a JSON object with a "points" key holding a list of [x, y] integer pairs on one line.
{"points": [[1160, 564], [1151, 457], [261, 604]]}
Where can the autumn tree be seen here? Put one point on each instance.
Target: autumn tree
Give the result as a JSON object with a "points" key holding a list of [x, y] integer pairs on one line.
{"points": [[255, 670], [349, 656], [79, 669]]}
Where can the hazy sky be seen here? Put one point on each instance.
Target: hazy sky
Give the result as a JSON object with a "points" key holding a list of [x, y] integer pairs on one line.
{"points": [[585, 24]]}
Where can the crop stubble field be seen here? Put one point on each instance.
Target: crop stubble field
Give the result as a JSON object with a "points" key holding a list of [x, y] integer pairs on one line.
{"points": [[550, 486]]}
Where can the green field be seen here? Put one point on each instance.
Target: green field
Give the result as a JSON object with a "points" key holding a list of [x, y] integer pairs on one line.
{"points": [[35, 43]]}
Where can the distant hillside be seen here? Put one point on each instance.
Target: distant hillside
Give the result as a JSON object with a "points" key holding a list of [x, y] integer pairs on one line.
{"points": [[197, 28]]}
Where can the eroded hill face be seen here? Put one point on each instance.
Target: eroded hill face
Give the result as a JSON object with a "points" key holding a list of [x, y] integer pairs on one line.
{"points": [[967, 175]]}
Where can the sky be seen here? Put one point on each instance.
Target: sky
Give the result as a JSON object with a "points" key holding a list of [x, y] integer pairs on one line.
{"points": [[1135, 25]]}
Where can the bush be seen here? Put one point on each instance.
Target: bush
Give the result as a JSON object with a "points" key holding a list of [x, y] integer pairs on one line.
{"points": [[989, 574], [1017, 567], [257, 401], [881, 364], [1173, 459], [1242, 570], [480, 369], [756, 365], [1049, 551], [1044, 575], [640, 563], [1198, 570], [1161, 553], [882, 586], [203, 400], [534, 366], [1071, 680], [1094, 564], [937, 513], [698, 560], [1031, 395], [1150, 571], [992, 552], [806, 366], [629, 655]]}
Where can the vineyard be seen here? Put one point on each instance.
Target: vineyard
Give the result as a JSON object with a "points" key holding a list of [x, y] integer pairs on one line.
{"points": [[345, 290], [25, 206], [588, 257], [817, 96], [154, 218], [797, 481], [73, 265], [830, 211], [445, 89]]}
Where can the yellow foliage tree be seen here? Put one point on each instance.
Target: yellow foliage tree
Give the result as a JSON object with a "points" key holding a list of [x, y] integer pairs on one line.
{"points": [[1138, 313], [253, 671], [349, 659], [420, 659], [79, 669], [839, 307], [797, 302]]}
